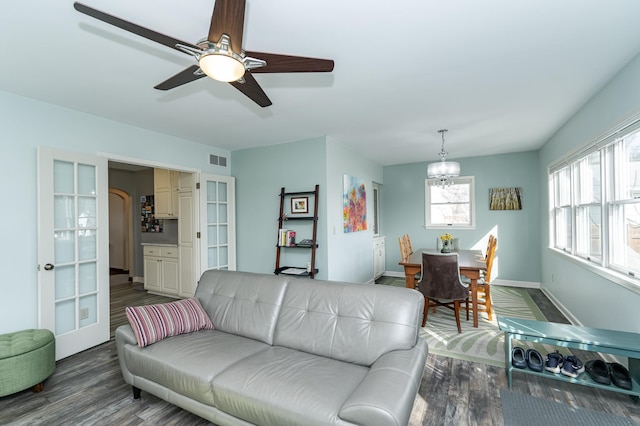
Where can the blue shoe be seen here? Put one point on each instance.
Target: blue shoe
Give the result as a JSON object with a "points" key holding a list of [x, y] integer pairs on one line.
{"points": [[534, 360], [572, 366], [553, 362], [518, 357]]}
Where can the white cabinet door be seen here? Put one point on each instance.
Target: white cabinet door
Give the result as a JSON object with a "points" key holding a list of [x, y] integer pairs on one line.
{"points": [[165, 189], [152, 273]]}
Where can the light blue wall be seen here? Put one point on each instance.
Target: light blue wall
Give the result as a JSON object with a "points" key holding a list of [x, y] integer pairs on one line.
{"points": [[350, 254], [593, 300], [26, 124], [299, 166], [260, 173], [518, 232]]}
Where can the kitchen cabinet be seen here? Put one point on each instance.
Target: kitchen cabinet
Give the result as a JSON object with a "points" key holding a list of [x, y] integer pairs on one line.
{"points": [[165, 189], [161, 269]]}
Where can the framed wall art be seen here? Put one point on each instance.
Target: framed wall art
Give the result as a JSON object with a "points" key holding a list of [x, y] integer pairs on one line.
{"points": [[354, 210], [505, 199], [299, 205]]}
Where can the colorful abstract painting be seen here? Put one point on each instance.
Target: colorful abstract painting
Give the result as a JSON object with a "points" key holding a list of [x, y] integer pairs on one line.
{"points": [[354, 209]]}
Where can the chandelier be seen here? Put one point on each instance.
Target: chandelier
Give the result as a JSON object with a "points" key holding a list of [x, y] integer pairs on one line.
{"points": [[443, 171]]}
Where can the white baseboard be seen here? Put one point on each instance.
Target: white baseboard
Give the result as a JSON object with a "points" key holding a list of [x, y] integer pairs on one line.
{"points": [[138, 280], [512, 283], [575, 321]]}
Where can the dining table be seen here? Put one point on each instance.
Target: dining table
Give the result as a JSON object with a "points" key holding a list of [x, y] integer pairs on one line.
{"points": [[470, 262]]}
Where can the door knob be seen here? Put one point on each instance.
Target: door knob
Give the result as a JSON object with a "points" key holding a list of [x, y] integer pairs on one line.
{"points": [[48, 267]]}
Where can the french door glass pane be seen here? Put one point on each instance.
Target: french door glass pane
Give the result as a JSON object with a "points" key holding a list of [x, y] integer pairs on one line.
{"points": [[222, 192], [212, 216], [87, 278], [64, 211], [65, 281], [88, 304], [87, 244], [86, 212], [63, 177], [65, 246], [212, 235], [86, 179], [222, 213], [65, 316], [213, 257]]}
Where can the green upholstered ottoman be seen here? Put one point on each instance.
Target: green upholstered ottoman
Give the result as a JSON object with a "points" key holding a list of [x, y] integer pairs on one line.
{"points": [[27, 358]]}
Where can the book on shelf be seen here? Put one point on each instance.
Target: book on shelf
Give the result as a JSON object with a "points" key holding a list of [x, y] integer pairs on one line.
{"points": [[294, 271], [286, 237]]}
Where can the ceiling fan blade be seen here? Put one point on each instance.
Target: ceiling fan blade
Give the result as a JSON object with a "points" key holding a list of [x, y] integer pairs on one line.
{"points": [[252, 90], [286, 63], [228, 18], [183, 77], [131, 27]]}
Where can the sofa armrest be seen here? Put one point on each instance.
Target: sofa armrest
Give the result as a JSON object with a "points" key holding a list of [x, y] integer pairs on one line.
{"points": [[388, 391], [124, 336]]}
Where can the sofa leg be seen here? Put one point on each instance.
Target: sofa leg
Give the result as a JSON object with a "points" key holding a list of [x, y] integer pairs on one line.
{"points": [[38, 388], [136, 392]]}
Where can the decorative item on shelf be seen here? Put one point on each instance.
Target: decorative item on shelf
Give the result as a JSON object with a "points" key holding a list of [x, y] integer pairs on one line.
{"points": [[443, 171], [447, 243]]}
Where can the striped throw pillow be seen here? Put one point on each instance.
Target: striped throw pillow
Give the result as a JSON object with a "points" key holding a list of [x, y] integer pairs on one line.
{"points": [[152, 323]]}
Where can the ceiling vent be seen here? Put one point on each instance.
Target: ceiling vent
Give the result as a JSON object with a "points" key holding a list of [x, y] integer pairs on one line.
{"points": [[217, 160]]}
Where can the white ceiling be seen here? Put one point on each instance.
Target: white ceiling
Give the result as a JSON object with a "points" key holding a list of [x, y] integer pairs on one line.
{"points": [[501, 75]]}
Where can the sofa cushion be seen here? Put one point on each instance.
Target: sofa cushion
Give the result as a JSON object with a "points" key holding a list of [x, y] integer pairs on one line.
{"points": [[152, 323], [242, 303], [282, 386], [349, 322], [187, 363]]}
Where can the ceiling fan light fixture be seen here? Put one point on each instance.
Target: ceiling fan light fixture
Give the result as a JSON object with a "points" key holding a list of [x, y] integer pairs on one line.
{"points": [[221, 67]]}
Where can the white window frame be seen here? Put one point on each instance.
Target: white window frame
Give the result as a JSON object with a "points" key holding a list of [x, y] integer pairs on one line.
{"points": [[610, 200], [470, 180]]}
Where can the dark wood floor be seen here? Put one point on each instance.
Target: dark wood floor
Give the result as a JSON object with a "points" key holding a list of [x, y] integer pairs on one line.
{"points": [[87, 388]]}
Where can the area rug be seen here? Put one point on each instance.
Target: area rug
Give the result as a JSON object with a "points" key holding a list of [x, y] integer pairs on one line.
{"points": [[484, 344], [525, 410]]}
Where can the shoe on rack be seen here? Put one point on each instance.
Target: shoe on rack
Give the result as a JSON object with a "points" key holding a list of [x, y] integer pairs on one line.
{"points": [[518, 357], [620, 375], [599, 371], [534, 360], [553, 362], [572, 366]]}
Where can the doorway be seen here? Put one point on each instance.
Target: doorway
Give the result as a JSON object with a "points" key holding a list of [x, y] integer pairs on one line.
{"points": [[120, 232]]}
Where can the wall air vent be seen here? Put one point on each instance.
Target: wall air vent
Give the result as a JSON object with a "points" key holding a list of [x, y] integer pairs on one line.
{"points": [[217, 160]]}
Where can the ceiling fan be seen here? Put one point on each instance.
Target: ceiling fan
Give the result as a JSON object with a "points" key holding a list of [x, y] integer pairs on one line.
{"points": [[220, 56]]}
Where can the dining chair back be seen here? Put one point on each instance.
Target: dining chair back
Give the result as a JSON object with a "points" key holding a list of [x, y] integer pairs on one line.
{"points": [[405, 246], [441, 284], [484, 283]]}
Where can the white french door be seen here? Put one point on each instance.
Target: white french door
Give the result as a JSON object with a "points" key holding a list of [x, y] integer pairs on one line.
{"points": [[73, 247], [217, 223]]}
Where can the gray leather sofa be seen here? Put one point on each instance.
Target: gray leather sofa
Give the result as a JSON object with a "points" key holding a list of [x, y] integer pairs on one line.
{"points": [[288, 351]]}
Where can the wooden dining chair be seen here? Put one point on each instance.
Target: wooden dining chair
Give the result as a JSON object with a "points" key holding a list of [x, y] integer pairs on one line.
{"points": [[484, 283], [405, 246], [441, 284]]}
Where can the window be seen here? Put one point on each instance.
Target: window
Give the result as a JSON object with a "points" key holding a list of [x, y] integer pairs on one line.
{"points": [[376, 209], [596, 203], [451, 206]]}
